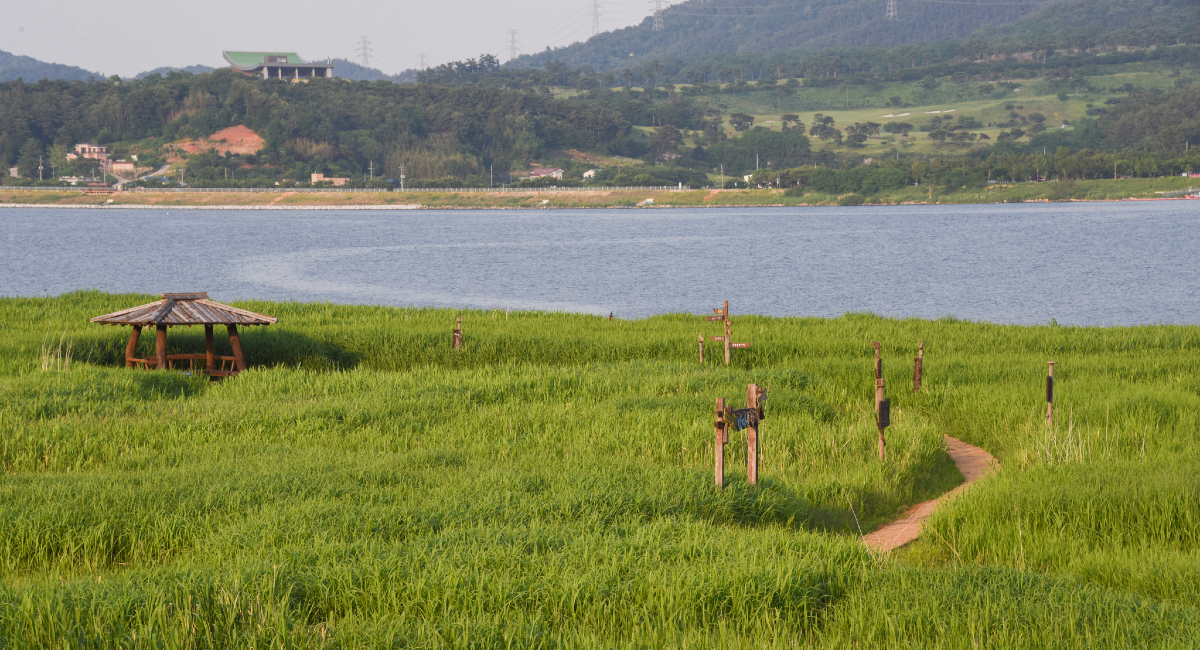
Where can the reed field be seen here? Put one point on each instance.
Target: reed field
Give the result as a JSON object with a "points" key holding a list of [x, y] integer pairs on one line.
{"points": [[550, 485]]}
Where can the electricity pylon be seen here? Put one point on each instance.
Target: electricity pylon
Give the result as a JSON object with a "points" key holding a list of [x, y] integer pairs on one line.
{"points": [[365, 52], [512, 44]]}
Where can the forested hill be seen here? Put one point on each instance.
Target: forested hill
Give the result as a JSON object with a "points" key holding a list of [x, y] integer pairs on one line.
{"points": [[698, 27], [1084, 24], [166, 70], [13, 67]]}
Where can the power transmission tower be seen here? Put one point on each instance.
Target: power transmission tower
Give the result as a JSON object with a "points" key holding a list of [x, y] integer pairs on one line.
{"points": [[891, 10], [595, 17], [364, 48], [512, 44], [658, 21], [421, 58]]}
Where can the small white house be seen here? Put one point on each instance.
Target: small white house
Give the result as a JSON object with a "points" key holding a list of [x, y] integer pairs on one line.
{"points": [[546, 171], [591, 173]]}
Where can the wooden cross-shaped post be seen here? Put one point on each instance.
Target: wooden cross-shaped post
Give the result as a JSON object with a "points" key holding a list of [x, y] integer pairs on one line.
{"points": [[1050, 395], [458, 333], [728, 331], [918, 364], [882, 406], [722, 314]]}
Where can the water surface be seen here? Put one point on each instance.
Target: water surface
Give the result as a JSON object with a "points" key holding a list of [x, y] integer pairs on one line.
{"points": [[1077, 263]]}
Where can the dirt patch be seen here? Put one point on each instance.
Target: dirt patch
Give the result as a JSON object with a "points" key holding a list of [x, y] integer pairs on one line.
{"points": [[236, 139]]}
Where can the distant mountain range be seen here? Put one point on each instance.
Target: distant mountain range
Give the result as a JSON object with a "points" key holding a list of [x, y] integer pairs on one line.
{"points": [[697, 28], [701, 27], [13, 67]]}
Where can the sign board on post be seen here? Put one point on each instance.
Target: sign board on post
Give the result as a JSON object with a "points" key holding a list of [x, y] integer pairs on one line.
{"points": [[1050, 395], [879, 399], [739, 345], [720, 437], [918, 366]]}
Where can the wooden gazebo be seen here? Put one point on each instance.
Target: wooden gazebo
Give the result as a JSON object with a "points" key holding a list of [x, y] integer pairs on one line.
{"points": [[186, 309]]}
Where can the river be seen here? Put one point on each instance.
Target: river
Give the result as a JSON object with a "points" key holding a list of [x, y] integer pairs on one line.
{"points": [[1118, 263]]}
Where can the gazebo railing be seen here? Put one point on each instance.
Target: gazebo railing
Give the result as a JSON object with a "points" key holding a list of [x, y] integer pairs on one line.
{"points": [[227, 365]]}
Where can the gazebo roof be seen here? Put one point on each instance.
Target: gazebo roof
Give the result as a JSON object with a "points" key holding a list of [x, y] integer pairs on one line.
{"points": [[184, 309]]}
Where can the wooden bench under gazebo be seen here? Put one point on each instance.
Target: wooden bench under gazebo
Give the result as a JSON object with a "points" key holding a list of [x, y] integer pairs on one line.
{"points": [[186, 309]]}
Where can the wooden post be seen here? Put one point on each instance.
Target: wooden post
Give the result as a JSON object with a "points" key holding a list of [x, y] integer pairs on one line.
{"points": [[728, 335], [918, 364], [701, 349], [458, 333], [131, 348], [879, 397], [752, 436], [720, 437], [160, 347], [210, 349], [1050, 395], [236, 343]]}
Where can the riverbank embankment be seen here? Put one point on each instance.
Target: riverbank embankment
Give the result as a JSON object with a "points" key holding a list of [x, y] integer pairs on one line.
{"points": [[1092, 190]]}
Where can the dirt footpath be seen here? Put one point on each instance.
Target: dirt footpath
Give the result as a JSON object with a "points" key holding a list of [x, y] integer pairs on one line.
{"points": [[972, 461]]}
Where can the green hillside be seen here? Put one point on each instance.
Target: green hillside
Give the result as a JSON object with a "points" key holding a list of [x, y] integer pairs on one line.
{"points": [[13, 67], [704, 27]]}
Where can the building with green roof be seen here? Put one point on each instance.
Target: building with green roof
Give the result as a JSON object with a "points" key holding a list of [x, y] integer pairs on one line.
{"points": [[277, 65]]}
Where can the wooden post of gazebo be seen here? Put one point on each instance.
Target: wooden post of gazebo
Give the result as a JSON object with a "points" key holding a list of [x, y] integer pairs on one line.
{"points": [[236, 344], [186, 309], [160, 346], [131, 349], [210, 349]]}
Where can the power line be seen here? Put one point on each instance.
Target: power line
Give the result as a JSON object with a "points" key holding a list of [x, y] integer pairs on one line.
{"points": [[658, 21], [891, 10], [365, 52], [421, 58], [595, 17]]}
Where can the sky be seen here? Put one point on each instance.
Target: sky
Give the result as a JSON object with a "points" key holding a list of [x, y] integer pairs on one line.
{"points": [[112, 40]]}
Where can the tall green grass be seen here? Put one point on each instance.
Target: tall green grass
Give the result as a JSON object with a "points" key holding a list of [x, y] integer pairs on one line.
{"points": [[550, 485]]}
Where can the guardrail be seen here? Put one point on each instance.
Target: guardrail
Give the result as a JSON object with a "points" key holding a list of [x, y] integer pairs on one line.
{"points": [[1175, 193], [590, 188]]}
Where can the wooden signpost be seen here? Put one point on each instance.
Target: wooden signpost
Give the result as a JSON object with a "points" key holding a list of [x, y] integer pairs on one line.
{"points": [[883, 407], [918, 364], [722, 315], [458, 333], [721, 436], [1050, 395], [739, 419]]}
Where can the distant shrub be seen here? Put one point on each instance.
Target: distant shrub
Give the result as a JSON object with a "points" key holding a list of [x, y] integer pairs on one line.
{"points": [[850, 199]]}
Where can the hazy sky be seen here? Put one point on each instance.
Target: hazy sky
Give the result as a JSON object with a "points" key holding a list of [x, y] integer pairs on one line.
{"points": [[128, 39]]}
